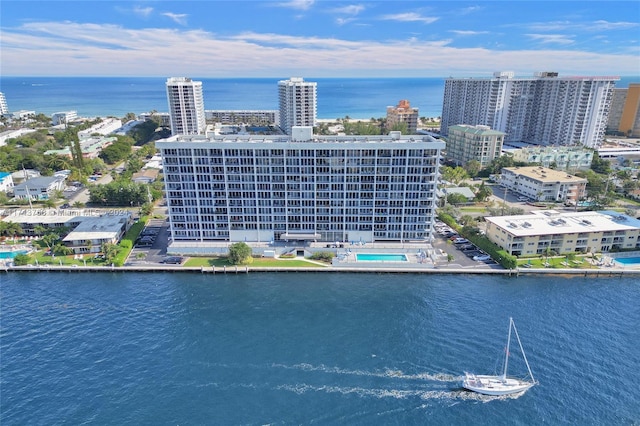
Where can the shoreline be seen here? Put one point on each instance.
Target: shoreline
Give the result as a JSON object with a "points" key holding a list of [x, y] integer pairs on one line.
{"points": [[593, 273]]}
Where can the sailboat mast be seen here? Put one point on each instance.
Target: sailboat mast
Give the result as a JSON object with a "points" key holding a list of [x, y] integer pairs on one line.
{"points": [[523, 354], [506, 355]]}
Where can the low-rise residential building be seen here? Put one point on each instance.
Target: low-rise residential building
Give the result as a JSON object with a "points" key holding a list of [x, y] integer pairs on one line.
{"points": [[104, 127], [145, 176], [92, 232], [40, 188], [263, 117], [90, 147], [403, 113], [568, 232], [59, 118], [6, 182], [164, 118], [89, 228], [564, 157], [543, 184], [9, 134], [480, 143]]}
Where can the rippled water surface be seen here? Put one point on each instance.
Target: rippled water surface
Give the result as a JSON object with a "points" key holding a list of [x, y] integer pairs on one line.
{"points": [[321, 348]]}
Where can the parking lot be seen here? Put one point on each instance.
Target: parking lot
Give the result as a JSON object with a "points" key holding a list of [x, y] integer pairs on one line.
{"points": [[465, 254], [151, 245]]}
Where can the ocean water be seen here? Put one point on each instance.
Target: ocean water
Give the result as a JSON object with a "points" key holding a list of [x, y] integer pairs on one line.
{"points": [[337, 98], [117, 96], [312, 348]]}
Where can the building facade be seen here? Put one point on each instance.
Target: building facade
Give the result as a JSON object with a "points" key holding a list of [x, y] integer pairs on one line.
{"points": [[543, 109], [307, 187], [542, 184], [297, 100], [466, 143], [625, 111], [403, 113], [564, 157], [4, 109], [256, 117], [58, 118], [186, 106], [563, 233], [39, 188]]}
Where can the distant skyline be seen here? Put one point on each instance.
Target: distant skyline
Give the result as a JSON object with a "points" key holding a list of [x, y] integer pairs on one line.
{"points": [[318, 38]]}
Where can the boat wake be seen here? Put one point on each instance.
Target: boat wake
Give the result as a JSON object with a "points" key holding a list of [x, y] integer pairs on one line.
{"points": [[387, 373]]}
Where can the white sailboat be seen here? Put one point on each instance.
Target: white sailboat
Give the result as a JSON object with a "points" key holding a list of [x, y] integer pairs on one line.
{"points": [[502, 384]]}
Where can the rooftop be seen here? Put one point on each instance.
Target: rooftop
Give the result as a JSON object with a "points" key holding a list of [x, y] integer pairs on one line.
{"points": [[543, 174], [548, 222]]}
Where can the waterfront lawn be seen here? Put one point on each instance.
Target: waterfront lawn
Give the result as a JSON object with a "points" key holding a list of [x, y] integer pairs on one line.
{"points": [[264, 262], [68, 260], [560, 262]]}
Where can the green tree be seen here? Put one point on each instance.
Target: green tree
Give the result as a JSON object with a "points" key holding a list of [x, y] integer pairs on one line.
{"points": [[454, 175], [21, 259], [239, 253], [483, 192], [473, 167], [456, 198], [50, 240], [110, 251], [599, 165]]}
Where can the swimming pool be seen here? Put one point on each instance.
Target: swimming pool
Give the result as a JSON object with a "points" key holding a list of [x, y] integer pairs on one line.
{"points": [[628, 260], [11, 254], [381, 257]]}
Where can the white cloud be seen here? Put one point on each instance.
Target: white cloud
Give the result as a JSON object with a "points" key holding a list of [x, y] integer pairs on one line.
{"points": [[353, 9], [143, 11], [410, 17], [69, 48], [579, 26], [551, 38], [297, 4], [178, 18], [468, 32]]}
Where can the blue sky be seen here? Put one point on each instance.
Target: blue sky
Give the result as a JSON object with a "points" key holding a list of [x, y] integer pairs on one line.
{"points": [[321, 38]]}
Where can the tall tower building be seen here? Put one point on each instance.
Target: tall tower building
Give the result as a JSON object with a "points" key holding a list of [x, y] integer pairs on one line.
{"points": [[4, 109], [625, 111], [186, 106], [403, 113], [298, 103], [543, 109]]}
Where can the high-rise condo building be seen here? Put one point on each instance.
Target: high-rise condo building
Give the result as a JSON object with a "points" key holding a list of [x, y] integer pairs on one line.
{"points": [[544, 109], [186, 106], [298, 103], [299, 187], [468, 143], [403, 113], [624, 117], [4, 109]]}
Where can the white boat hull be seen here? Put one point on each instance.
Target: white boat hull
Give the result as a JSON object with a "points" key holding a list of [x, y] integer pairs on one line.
{"points": [[495, 385]]}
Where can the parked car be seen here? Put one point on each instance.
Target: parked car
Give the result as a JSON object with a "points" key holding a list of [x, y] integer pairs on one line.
{"points": [[482, 257], [460, 240], [522, 198], [173, 260]]}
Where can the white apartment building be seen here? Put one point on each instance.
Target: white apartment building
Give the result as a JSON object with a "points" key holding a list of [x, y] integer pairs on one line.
{"points": [[263, 117], [403, 113], [466, 143], [564, 157], [4, 109], [58, 118], [298, 103], [305, 187], [186, 106], [564, 233], [104, 127], [543, 109], [542, 184], [39, 188]]}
